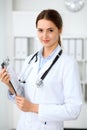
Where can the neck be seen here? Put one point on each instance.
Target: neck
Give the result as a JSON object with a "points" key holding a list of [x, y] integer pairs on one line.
{"points": [[48, 50]]}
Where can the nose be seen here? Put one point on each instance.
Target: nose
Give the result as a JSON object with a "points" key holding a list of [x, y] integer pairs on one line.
{"points": [[45, 34]]}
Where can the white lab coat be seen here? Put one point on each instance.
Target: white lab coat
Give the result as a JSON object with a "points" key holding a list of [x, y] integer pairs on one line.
{"points": [[59, 98]]}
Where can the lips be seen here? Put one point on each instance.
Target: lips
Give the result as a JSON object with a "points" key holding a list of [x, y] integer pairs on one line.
{"points": [[45, 41]]}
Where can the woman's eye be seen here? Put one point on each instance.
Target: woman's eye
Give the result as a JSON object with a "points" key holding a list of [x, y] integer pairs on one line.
{"points": [[40, 30], [51, 30]]}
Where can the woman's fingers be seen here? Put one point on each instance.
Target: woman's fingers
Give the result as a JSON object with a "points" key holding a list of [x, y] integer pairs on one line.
{"points": [[4, 76]]}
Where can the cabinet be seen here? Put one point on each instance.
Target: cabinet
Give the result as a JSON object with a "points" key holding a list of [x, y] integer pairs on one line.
{"points": [[77, 47]]}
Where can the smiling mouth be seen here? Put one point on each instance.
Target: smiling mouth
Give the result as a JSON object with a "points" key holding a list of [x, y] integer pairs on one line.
{"points": [[45, 41]]}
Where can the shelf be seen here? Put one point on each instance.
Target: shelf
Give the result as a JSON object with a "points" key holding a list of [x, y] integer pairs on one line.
{"points": [[77, 48]]}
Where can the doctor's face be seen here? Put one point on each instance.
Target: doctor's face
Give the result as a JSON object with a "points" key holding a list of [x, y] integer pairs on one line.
{"points": [[48, 33]]}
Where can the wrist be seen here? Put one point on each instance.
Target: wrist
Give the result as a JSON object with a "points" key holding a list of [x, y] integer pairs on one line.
{"points": [[35, 108]]}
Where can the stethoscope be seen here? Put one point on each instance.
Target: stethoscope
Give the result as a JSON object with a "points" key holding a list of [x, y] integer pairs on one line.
{"points": [[39, 82]]}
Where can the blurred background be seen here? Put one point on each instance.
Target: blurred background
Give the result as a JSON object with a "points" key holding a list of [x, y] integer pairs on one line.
{"points": [[18, 39]]}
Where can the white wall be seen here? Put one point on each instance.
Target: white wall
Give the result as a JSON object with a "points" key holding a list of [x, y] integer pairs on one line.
{"points": [[32, 5], [75, 24], [24, 23], [5, 106]]}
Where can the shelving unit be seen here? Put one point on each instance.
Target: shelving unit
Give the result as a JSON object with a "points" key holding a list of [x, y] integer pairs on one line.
{"points": [[77, 48], [23, 47]]}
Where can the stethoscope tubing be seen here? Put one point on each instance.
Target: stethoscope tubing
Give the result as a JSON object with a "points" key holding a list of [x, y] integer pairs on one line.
{"points": [[39, 82]]}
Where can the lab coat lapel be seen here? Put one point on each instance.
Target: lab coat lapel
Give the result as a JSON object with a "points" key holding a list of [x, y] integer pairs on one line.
{"points": [[47, 64], [35, 66], [45, 67]]}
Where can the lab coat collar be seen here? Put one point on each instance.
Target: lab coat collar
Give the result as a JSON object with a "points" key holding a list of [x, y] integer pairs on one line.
{"points": [[57, 49]]}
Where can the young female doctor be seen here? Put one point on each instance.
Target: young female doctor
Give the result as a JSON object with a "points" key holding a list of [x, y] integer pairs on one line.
{"points": [[49, 92]]}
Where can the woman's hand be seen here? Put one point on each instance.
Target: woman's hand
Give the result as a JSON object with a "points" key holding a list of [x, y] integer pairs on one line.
{"points": [[25, 105], [4, 76]]}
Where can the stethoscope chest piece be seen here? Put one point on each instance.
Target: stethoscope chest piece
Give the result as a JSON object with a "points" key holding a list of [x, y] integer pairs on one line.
{"points": [[39, 83]]}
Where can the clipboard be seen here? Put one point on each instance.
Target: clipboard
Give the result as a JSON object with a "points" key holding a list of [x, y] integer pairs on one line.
{"points": [[4, 64]]}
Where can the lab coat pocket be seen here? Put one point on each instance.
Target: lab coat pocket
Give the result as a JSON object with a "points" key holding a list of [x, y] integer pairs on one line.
{"points": [[50, 126]]}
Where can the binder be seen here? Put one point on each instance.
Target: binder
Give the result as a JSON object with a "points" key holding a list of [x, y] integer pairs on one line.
{"points": [[85, 71], [85, 50], [65, 46], [72, 47], [21, 48], [79, 49]]}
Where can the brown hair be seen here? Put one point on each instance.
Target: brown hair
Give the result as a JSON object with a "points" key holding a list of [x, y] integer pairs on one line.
{"points": [[52, 15]]}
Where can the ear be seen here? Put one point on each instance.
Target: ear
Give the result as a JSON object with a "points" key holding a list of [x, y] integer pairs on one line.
{"points": [[60, 30]]}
